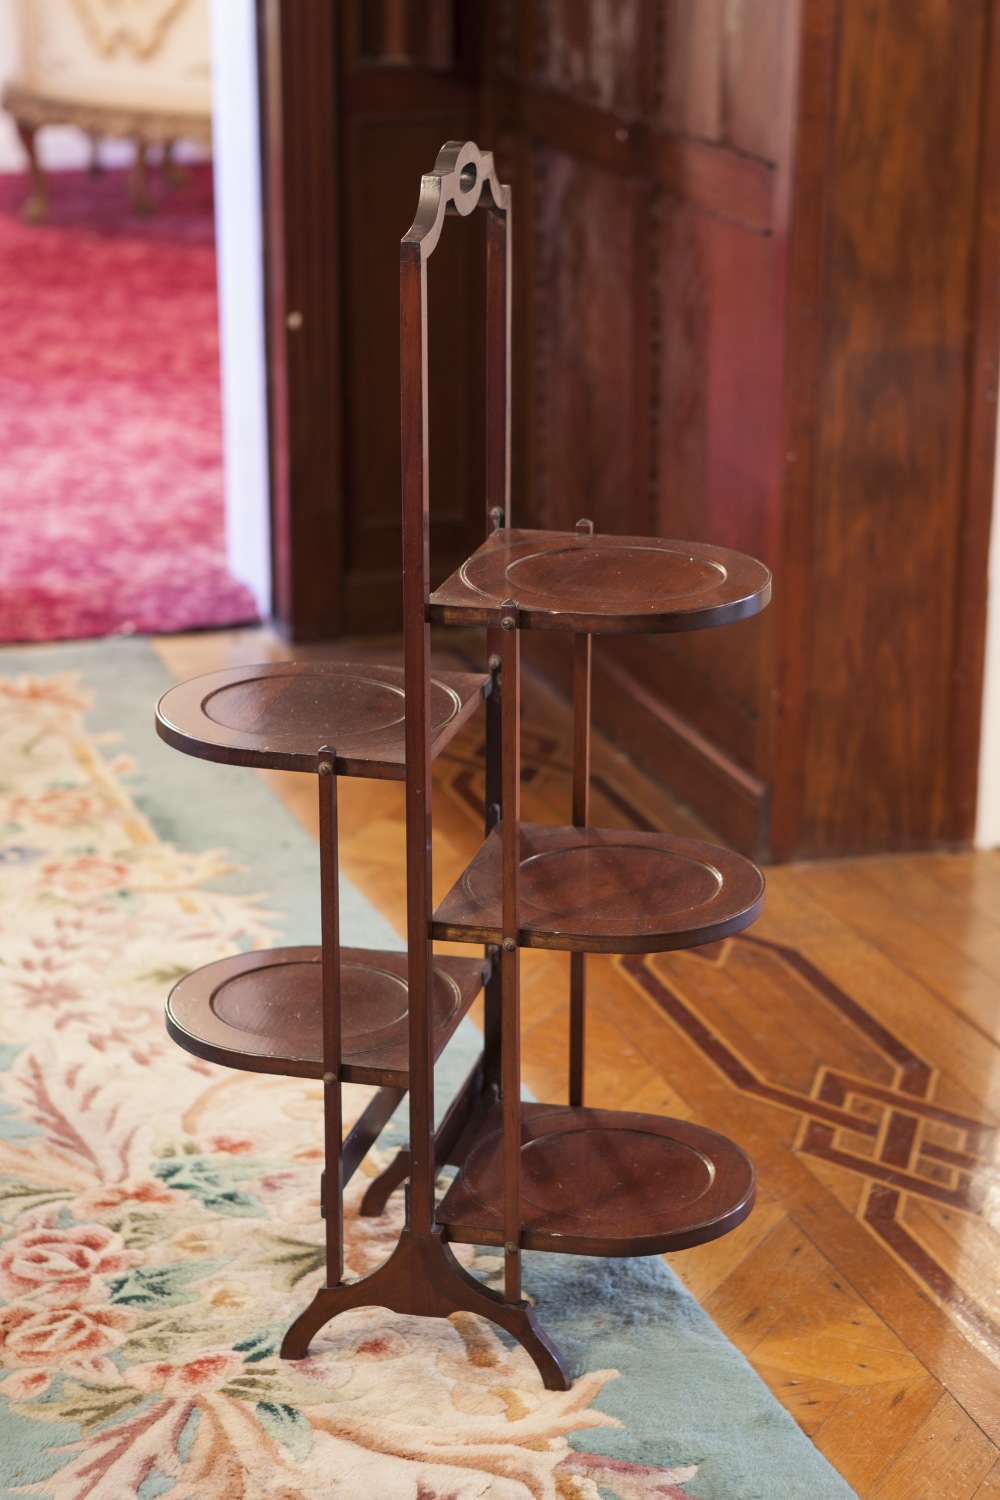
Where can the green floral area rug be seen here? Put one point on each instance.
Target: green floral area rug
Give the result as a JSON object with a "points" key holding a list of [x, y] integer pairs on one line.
{"points": [[159, 1217]]}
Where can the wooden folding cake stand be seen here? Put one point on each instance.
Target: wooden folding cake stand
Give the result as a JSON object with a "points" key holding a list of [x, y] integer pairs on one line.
{"points": [[530, 1176]]}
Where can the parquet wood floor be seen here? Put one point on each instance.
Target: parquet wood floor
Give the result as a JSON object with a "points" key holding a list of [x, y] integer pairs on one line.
{"points": [[850, 1042]]}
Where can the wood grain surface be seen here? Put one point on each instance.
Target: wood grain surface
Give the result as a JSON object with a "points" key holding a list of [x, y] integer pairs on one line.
{"points": [[848, 1045], [755, 303]]}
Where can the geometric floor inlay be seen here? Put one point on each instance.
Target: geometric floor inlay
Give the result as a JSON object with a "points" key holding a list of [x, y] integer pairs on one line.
{"points": [[929, 1175], [932, 1184]]}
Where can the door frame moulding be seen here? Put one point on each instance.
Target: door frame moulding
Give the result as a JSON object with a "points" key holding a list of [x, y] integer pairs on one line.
{"points": [[297, 47], [240, 253], [988, 804], [976, 732]]}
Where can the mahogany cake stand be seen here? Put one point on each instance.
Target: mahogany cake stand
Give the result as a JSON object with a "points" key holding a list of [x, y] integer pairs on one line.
{"points": [[530, 1176]]}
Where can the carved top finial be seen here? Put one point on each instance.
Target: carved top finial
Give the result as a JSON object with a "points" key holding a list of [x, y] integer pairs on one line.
{"points": [[462, 177]]}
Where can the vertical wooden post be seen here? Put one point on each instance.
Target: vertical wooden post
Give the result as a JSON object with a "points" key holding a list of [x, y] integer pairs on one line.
{"points": [[333, 1124], [416, 670], [493, 800], [582, 654], [510, 967], [498, 375], [498, 320]]}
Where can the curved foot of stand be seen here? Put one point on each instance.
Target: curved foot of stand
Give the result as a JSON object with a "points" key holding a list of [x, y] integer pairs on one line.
{"points": [[327, 1303], [422, 1277], [519, 1320], [380, 1189]]}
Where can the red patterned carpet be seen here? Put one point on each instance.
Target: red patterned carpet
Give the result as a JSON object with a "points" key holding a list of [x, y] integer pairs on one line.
{"points": [[111, 496]]}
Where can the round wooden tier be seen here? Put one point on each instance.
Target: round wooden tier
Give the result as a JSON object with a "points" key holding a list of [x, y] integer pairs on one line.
{"points": [[605, 890], [599, 584], [601, 1182], [262, 1011], [280, 714]]}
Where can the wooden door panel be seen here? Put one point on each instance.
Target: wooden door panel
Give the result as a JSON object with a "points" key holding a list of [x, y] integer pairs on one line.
{"points": [[754, 77], [721, 71], [591, 456], [689, 83], [592, 50], [645, 349], [893, 413], [656, 402], [756, 302], [715, 687], [744, 396], [683, 319], [401, 32], [409, 84]]}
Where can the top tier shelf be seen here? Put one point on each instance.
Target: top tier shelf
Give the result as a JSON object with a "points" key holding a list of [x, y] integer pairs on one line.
{"points": [[281, 714], [573, 580]]}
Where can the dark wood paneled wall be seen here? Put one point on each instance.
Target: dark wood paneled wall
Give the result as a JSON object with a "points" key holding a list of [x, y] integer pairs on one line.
{"points": [[890, 406], [756, 303], [652, 140]]}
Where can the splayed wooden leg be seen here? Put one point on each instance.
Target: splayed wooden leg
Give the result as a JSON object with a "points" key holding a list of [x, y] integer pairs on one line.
{"points": [[423, 1278], [380, 1189]]}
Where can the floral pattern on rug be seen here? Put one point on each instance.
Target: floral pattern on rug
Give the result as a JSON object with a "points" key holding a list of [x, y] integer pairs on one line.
{"points": [[160, 1216]]}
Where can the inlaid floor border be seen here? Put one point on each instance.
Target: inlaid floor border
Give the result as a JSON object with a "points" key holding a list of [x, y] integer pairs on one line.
{"points": [[905, 1161]]}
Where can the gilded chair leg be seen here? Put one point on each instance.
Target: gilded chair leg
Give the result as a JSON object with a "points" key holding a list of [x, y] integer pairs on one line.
{"points": [[36, 207]]}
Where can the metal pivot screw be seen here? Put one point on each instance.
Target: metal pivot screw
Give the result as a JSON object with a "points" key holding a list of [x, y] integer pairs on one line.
{"points": [[494, 663], [325, 768], [510, 1248], [507, 622], [509, 945], [329, 1078], [496, 516]]}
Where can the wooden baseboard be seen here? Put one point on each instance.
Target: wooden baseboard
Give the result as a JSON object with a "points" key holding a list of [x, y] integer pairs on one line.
{"points": [[690, 766]]}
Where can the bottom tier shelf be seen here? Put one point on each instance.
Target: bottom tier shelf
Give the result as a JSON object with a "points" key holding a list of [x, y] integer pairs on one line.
{"points": [[602, 1182], [262, 1011]]}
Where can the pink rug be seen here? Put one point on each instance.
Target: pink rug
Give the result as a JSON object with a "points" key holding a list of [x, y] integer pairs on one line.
{"points": [[111, 493]]}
